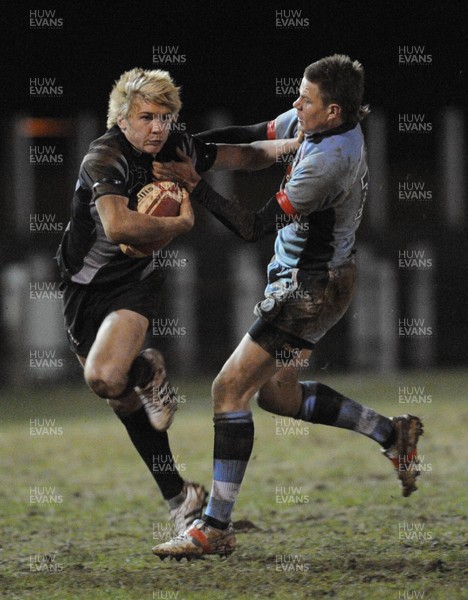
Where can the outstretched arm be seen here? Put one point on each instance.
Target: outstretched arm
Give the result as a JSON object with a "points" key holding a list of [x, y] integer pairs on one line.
{"points": [[235, 134], [254, 156], [284, 126], [247, 224]]}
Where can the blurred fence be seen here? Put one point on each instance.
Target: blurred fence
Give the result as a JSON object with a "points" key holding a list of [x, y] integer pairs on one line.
{"points": [[411, 254]]}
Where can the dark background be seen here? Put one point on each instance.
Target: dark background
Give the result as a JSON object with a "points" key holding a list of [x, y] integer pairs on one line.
{"points": [[233, 55], [234, 51]]}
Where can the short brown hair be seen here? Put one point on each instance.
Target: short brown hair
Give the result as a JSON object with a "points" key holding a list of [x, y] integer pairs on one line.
{"points": [[340, 80]]}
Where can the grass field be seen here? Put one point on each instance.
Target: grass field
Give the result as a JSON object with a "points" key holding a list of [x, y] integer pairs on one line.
{"points": [[320, 513]]}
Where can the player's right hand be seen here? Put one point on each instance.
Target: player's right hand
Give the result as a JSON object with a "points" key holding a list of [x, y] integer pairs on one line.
{"points": [[182, 173]]}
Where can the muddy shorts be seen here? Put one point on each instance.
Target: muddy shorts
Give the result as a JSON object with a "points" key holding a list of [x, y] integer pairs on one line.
{"points": [[299, 317]]}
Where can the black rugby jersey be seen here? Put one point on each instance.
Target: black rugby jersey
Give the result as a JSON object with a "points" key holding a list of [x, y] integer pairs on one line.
{"points": [[113, 166]]}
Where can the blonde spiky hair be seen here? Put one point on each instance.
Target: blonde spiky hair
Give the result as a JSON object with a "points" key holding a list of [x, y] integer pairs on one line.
{"points": [[155, 86]]}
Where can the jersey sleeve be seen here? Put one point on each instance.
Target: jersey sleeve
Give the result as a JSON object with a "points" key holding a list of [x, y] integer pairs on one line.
{"points": [[203, 155], [311, 186], [283, 127], [235, 134], [248, 224], [104, 171]]}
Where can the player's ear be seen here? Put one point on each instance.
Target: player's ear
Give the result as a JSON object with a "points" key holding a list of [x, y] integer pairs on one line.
{"points": [[122, 123], [334, 111]]}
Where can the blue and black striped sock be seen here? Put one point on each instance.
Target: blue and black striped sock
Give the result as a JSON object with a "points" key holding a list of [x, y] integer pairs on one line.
{"points": [[234, 434], [321, 404]]}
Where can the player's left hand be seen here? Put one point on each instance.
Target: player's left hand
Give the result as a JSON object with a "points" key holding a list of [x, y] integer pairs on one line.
{"points": [[182, 173]]}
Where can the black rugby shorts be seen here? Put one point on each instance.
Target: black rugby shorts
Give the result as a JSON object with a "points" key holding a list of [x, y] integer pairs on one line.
{"points": [[85, 307]]}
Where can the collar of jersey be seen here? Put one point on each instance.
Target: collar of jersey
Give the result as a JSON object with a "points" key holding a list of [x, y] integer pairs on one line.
{"points": [[318, 137]]}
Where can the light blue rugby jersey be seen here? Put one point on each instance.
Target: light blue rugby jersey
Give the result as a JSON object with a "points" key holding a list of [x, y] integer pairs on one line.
{"points": [[323, 198]]}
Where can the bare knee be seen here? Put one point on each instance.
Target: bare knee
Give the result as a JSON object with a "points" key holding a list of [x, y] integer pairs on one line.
{"points": [[221, 387], [106, 380], [227, 392]]}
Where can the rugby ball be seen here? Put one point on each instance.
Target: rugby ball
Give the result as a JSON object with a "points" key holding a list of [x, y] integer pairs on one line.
{"points": [[157, 199]]}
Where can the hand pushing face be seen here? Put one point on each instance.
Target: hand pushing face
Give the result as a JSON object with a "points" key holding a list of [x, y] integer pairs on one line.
{"points": [[183, 173]]}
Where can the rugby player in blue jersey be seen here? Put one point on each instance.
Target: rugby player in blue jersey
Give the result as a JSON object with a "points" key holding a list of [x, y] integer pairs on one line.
{"points": [[311, 280]]}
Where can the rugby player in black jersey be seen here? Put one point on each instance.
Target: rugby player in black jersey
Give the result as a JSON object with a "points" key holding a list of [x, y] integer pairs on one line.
{"points": [[111, 298]]}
